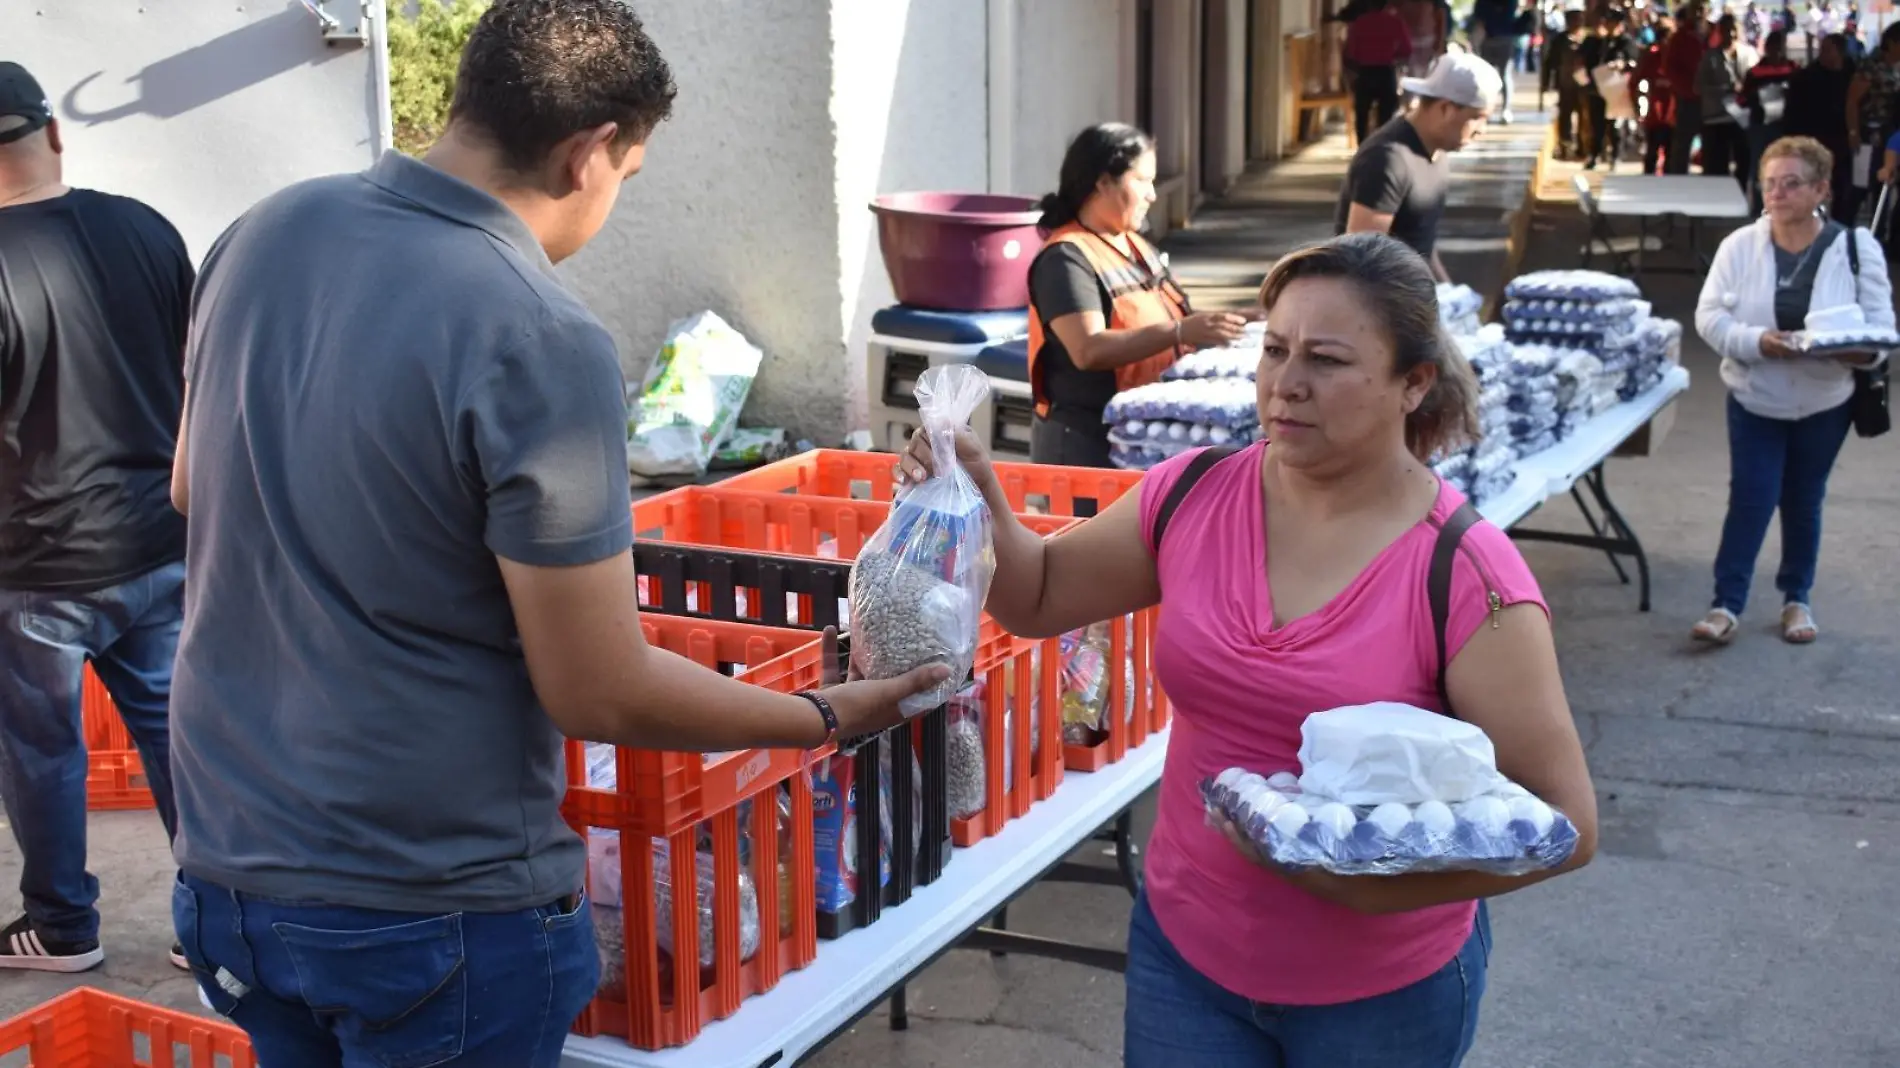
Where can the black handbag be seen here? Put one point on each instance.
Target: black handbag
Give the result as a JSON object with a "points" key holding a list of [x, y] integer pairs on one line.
{"points": [[1868, 406]]}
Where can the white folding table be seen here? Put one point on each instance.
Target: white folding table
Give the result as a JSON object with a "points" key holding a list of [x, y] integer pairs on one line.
{"points": [[1693, 197]]}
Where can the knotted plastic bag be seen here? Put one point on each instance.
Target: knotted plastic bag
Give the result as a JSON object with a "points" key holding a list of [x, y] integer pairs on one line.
{"points": [[918, 586], [1372, 754]]}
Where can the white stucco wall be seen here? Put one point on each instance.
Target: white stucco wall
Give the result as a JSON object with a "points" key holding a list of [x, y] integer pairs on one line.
{"points": [[1069, 74], [910, 112], [735, 210], [199, 109]]}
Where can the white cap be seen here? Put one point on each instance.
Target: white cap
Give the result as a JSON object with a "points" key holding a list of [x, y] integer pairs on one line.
{"points": [[1461, 78]]}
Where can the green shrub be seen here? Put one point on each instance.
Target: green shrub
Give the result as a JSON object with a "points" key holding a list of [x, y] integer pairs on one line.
{"points": [[425, 44]]}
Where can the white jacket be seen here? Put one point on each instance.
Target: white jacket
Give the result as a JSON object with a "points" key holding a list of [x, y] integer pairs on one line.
{"points": [[1738, 306]]}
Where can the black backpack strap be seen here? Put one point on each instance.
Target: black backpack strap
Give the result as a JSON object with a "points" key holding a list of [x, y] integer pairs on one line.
{"points": [[1853, 252], [1202, 463], [1438, 586]]}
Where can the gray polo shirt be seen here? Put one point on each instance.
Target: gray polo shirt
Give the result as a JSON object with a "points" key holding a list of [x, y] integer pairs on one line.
{"points": [[388, 389]]}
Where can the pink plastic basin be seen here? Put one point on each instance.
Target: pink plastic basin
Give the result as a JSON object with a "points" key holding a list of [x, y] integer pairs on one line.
{"points": [[958, 251]]}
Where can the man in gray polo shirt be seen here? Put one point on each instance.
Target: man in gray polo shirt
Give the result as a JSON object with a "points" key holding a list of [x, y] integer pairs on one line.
{"points": [[404, 458]]}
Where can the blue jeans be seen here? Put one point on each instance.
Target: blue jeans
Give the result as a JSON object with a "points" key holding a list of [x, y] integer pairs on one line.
{"points": [[130, 633], [320, 986], [1177, 1016], [1775, 464]]}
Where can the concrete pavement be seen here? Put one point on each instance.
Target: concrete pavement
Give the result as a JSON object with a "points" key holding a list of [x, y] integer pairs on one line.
{"points": [[1741, 911]]}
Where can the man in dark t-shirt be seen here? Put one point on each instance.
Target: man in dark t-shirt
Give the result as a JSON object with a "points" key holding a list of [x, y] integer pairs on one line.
{"points": [[94, 297], [1398, 179]]}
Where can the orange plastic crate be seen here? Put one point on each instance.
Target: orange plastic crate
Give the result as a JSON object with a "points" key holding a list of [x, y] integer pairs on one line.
{"points": [[115, 775], [649, 999], [661, 792], [850, 475], [1020, 681], [87, 1028], [847, 475]]}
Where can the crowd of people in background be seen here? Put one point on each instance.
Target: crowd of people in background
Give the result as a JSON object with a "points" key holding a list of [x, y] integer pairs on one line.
{"points": [[1707, 91]]}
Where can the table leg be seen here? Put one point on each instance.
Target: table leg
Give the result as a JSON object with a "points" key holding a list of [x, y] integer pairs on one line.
{"points": [[1602, 494], [1576, 494], [900, 1008], [1125, 852], [1000, 922], [1618, 540]]}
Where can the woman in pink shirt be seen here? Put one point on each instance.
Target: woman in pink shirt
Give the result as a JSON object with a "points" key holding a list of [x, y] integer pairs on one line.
{"points": [[1292, 579]]}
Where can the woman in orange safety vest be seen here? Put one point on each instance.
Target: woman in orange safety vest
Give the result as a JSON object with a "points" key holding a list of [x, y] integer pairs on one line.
{"points": [[1104, 313]]}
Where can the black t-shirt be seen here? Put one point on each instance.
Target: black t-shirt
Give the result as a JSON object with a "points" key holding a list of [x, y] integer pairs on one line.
{"points": [[95, 294], [1063, 282], [1393, 174]]}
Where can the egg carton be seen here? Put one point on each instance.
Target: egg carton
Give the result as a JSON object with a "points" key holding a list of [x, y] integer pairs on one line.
{"points": [[1509, 832], [1574, 311], [1854, 339], [1496, 454], [1534, 398], [1170, 434], [1493, 485], [1457, 301], [1136, 458], [1571, 286], [1227, 362], [1227, 402]]}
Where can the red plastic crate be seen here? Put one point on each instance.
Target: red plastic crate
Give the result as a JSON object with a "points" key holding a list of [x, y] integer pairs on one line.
{"points": [[660, 792], [87, 1028], [646, 997], [115, 776], [1020, 681]]}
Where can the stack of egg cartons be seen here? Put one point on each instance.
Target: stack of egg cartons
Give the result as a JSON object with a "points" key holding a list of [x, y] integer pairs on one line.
{"points": [[1489, 467], [1644, 356], [1458, 308], [1205, 398], [1149, 424], [1580, 389], [1572, 309]]}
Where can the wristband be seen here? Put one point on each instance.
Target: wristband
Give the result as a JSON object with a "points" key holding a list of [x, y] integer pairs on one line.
{"points": [[830, 715]]}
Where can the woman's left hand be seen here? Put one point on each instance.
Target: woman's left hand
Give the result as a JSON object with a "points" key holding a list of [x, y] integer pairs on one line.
{"points": [[1350, 891]]}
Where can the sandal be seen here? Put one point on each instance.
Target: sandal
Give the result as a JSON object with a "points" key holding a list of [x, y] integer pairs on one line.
{"points": [[1716, 628], [1797, 624]]}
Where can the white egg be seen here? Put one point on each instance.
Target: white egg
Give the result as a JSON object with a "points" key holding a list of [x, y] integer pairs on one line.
{"points": [[1311, 802], [1230, 778], [1289, 820], [1487, 815], [1510, 790], [1532, 811], [1436, 818], [1390, 818], [1283, 780], [1335, 819], [1268, 803]]}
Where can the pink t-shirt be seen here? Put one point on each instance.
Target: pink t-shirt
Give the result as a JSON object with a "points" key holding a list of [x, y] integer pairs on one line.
{"points": [[1241, 689]]}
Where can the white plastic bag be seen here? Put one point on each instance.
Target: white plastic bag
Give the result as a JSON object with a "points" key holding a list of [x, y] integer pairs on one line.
{"points": [[918, 586], [1372, 754], [690, 400]]}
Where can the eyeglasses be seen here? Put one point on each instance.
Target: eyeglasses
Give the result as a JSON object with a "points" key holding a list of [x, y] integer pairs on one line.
{"points": [[1784, 185]]}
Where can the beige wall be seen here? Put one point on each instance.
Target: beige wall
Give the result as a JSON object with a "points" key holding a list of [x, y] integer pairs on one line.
{"points": [[909, 110], [1068, 69]]}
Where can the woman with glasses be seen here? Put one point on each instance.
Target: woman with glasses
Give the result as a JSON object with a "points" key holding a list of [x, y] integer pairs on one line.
{"points": [[1104, 313], [1788, 413]]}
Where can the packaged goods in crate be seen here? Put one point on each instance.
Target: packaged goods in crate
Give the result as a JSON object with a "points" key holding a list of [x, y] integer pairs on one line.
{"points": [[835, 800], [691, 923], [904, 837], [918, 585], [604, 889], [1390, 789]]}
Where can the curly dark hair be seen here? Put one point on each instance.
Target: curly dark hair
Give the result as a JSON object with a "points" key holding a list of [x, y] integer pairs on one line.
{"points": [[536, 72]]}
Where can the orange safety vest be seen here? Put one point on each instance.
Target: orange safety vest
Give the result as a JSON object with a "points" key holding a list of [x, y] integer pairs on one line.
{"points": [[1141, 293]]}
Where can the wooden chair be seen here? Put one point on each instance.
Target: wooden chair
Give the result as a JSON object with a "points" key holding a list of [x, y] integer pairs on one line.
{"points": [[1313, 89]]}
